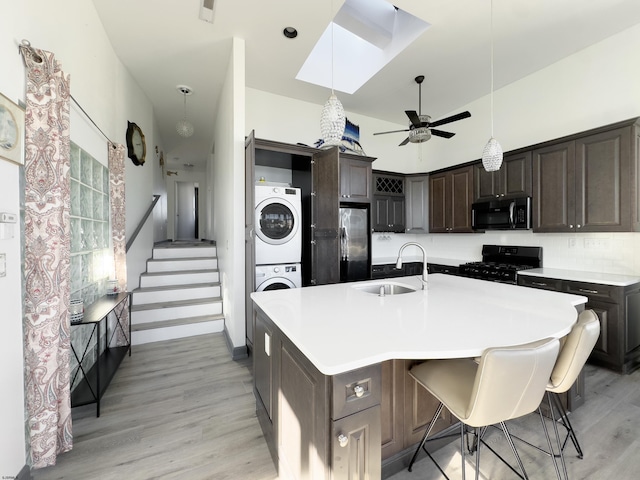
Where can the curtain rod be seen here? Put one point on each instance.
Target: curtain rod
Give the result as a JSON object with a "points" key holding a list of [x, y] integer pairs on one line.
{"points": [[91, 120], [26, 46]]}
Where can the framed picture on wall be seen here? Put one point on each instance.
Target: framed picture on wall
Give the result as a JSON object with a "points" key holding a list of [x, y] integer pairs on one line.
{"points": [[11, 131]]}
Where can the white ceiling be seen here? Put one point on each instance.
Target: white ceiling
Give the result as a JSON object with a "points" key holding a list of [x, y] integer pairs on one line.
{"points": [[164, 44]]}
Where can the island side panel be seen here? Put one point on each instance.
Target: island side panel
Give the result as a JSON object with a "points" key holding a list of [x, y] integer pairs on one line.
{"points": [[297, 431]]}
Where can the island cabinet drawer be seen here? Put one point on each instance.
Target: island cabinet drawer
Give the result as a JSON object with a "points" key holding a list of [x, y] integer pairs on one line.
{"points": [[355, 390], [594, 290], [540, 282]]}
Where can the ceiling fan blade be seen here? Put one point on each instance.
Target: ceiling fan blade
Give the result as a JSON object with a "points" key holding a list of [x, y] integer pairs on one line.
{"points": [[392, 131], [404, 142], [440, 133], [415, 119], [452, 118]]}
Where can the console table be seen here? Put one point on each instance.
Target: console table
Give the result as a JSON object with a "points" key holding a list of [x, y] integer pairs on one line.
{"points": [[96, 380]]}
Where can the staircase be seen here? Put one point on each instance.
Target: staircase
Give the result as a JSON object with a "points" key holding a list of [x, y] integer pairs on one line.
{"points": [[179, 294]]}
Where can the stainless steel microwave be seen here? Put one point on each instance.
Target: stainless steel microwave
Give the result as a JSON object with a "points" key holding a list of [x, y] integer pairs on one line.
{"points": [[502, 214]]}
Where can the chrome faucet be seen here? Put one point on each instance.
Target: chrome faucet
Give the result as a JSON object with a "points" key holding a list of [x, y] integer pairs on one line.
{"points": [[424, 260]]}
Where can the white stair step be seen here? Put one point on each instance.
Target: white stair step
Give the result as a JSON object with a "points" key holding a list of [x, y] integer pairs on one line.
{"points": [[185, 277], [159, 312], [173, 265], [173, 293], [184, 252], [188, 327]]}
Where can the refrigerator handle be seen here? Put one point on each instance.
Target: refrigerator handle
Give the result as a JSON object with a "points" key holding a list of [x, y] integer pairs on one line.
{"points": [[343, 243]]}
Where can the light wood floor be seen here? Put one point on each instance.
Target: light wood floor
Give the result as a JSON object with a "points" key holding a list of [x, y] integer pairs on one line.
{"points": [[182, 409]]}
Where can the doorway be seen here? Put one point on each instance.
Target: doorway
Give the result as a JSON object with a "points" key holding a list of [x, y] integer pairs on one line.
{"points": [[187, 211]]}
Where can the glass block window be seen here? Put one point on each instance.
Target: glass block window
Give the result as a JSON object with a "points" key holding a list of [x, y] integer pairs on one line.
{"points": [[91, 255]]}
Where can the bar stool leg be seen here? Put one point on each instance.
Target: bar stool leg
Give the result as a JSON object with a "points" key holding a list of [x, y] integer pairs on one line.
{"points": [[426, 434], [564, 418], [513, 449], [551, 453]]}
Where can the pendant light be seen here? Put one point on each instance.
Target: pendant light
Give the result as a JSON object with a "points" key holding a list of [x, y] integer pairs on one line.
{"points": [[333, 119], [492, 153], [184, 127]]}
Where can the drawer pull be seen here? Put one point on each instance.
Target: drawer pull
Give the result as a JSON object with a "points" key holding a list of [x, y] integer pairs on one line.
{"points": [[343, 440], [585, 290], [539, 284], [358, 390]]}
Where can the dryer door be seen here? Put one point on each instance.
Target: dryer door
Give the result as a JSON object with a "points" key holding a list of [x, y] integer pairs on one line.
{"points": [[275, 283], [276, 221]]}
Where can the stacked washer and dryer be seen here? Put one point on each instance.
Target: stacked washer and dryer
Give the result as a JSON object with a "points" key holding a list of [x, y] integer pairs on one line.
{"points": [[278, 217]]}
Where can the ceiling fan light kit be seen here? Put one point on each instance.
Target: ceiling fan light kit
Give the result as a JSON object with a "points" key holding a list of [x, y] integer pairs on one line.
{"points": [[184, 127], [420, 126]]}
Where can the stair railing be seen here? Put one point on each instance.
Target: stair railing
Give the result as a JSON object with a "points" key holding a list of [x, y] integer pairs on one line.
{"points": [[142, 222]]}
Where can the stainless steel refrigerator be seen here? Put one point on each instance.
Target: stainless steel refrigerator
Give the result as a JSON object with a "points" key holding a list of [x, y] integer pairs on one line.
{"points": [[355, 239]]}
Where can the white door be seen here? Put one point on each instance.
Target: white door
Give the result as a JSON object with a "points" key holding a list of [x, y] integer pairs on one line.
{"points": [[185, 211]]}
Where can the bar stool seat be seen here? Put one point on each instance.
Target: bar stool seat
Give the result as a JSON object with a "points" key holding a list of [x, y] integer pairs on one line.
{"points": [[506, 383]]}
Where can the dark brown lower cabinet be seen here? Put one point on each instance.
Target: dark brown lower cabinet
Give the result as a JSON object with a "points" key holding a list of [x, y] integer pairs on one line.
{"points": [[349, 426], [618, 309], [419, 407], [320, 426]]}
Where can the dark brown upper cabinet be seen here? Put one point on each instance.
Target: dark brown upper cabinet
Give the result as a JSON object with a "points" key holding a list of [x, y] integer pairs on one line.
{"points": [[588, 183], [512, 180], [450, 199], [355, 179]]}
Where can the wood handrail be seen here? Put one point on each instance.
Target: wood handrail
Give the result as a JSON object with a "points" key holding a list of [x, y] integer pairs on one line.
{"points": [[142, 222]]}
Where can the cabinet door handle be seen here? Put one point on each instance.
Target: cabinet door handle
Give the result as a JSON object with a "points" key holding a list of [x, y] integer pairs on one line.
{"points": [[571, 227], [586, 290], [358, 390], [343, 440], [578, 226]]}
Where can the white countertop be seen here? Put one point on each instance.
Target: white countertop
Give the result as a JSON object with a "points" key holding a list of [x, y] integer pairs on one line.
{"points": [[579, 276], [340, 328]]}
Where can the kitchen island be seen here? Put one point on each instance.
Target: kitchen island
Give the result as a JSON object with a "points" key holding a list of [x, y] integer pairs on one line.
{"points": [[329, 361]]}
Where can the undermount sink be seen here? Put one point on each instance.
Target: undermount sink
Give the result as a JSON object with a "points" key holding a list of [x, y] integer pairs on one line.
{"points": [[384, 289]]}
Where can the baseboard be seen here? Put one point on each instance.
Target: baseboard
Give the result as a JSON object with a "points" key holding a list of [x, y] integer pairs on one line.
{"points": [[25, 474], [237, 353]]}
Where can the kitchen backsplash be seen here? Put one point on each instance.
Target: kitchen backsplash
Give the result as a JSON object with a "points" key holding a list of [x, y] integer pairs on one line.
{"points": [[598, 252]]}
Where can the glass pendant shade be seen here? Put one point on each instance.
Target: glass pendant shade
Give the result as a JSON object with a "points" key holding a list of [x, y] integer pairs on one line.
{"points": [[184, 128], [492, 155], [332, 121]]}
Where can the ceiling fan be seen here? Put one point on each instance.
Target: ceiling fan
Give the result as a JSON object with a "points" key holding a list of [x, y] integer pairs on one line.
{"points": [[421, 127]]}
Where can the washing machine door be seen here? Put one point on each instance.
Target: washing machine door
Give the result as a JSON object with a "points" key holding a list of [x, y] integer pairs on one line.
{"points": [[275, 283], [276, 221]]}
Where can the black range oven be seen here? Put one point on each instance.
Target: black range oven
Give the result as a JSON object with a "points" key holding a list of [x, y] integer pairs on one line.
{"points": [[501, 263]]}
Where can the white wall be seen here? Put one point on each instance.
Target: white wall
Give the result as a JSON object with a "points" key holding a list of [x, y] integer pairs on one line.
{"points": [[594, 87], [203, 209], [591, 88], [227, 179], [105, 89]]}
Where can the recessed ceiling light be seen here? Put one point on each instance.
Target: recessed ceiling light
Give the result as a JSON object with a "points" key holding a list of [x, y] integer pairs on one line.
{"points": [[290, 32]]}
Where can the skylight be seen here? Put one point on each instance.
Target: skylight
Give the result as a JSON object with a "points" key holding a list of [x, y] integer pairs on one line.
{"points": [[367, 34]]}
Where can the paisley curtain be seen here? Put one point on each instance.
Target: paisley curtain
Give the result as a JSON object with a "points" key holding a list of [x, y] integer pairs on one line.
{"points": [[47, 252], [116, 194]]}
